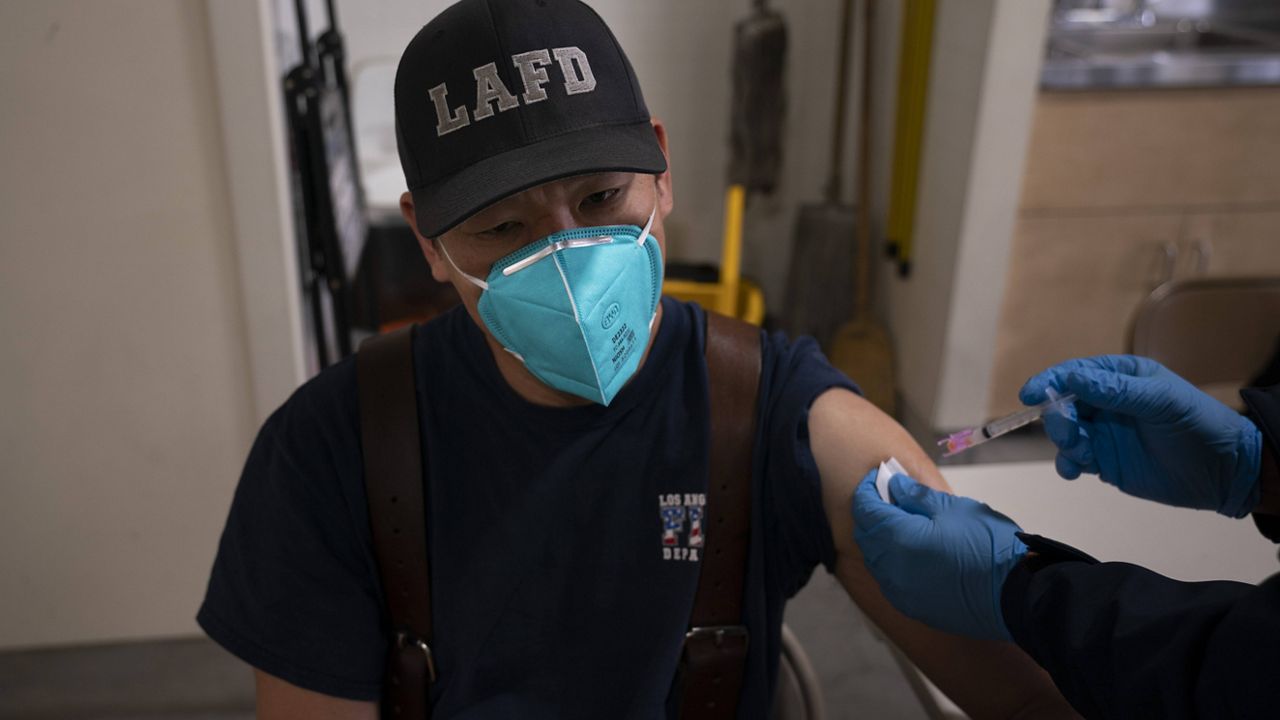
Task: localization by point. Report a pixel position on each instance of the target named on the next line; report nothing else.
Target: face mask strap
(644, 234)
(474, 280)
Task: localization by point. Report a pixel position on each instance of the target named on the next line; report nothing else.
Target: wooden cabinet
(1124, 191)
(1164, 149)
(1231, 244)
(1072, 287)
(1074, 283)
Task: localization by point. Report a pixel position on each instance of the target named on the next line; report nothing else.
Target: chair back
(798, 695)
(1213, 332)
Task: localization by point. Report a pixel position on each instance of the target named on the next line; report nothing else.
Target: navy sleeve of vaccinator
(1121, 641)
(1264, 411)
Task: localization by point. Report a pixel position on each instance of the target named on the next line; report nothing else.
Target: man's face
(474, 245)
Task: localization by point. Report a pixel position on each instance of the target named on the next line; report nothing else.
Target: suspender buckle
(711, 671)
(404, 640)
(719, 635)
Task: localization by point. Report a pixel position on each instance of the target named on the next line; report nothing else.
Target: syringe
(958, 442)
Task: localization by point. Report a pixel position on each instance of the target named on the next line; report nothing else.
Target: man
(1120, 641)
(565, 426)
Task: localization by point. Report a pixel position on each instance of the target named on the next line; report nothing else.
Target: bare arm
(849, 436)
(279, 700)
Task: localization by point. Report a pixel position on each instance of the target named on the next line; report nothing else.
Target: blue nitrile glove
(941, 559)
(1151, 434)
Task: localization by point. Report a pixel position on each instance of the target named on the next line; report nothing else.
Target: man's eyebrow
(487, 217)
(614, 179)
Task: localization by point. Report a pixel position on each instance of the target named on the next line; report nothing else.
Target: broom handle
(837, 130)
(333, 16)
(864, 167)
(304, 33)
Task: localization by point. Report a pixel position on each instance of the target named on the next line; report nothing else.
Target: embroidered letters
(575, 71)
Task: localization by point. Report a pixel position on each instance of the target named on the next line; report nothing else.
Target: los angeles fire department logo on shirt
(682, 515)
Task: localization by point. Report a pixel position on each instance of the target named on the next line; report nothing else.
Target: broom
(819, 296)
(861, 348)
(758, 103)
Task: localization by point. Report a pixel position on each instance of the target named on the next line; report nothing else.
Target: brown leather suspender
(394, 482)
(715, 648)
(713, 664)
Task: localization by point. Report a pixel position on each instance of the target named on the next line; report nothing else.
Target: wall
(125, 376)
(983, 78)
(998, 156)
(256, 153)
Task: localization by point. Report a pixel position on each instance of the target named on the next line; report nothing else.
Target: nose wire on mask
(549, 250)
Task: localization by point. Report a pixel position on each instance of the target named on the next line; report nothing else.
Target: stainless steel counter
(1167, 53)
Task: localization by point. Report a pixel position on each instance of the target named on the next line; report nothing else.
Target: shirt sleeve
(1121, 641)
(1264, 410)
(294, 589)
(794, 374)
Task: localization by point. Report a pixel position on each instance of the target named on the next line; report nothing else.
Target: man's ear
(666, 198)
(439, 266)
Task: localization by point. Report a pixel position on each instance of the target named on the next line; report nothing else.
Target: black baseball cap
(496, 96)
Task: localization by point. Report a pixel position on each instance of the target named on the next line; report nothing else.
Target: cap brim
(611, 148)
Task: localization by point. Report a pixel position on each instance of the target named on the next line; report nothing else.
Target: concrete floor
(190, 679)
(195, 679)
(860, 678)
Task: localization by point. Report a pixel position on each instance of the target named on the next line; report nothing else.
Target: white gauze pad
(888, 469)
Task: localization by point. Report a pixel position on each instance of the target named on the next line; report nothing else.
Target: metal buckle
(405, 639)
(717, 633)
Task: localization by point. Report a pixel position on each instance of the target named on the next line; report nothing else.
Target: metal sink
(1173, 54)
(1133, 41)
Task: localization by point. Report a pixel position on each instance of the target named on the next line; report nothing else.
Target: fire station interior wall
(127, 401)
(984, 76)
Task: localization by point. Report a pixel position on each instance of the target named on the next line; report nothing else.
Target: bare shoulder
(849, 436)
(280, 700)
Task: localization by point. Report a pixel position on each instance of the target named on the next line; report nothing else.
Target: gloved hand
(1151, 434)
(939, 558)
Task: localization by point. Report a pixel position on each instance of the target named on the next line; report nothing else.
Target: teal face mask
(576, 307)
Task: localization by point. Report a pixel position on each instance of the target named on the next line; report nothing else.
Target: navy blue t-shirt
(564, 555)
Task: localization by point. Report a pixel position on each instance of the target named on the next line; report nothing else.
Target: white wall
(1002, 129)
(256, 152)
(127, 400)
(983, 79)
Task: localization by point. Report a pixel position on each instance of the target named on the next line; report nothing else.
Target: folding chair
(1217, 332)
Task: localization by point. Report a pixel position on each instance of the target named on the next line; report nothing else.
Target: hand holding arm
(939, 558)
